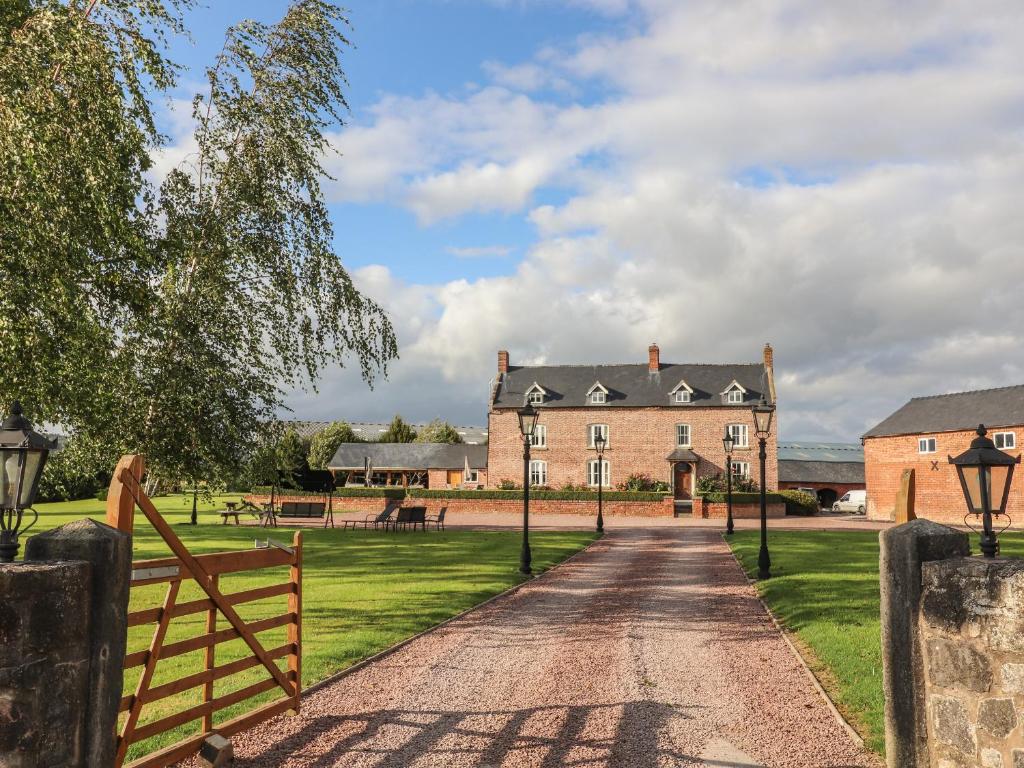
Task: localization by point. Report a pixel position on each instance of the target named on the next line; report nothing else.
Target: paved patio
(649, 649)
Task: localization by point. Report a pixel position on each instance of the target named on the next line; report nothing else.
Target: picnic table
(231, 511)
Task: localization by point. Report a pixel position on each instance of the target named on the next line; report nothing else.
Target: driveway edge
(784, 632)
(402, 643)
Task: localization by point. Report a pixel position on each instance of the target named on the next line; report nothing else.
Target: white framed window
(1005, 440)
(536, 398)
(683, 435)
(734, 396)
(682, 396)
(740, 435)
(538, 473)
(473, 477)
(604, 468)
(741, 469)
(539, 438)
(926, 445)
(598, 398)
(594, 430)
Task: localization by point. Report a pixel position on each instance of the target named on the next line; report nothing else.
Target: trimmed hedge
(423, 493)
(744, 498)
(353, 492)
(800, 503)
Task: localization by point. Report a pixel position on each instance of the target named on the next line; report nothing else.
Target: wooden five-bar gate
(126, 493)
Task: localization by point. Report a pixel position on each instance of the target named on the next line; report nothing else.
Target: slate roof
(415, 456)
(1002, 407)
(683, 454)
(629, 386)
(807, 451)
(793, 471)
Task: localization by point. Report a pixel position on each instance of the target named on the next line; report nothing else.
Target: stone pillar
(903, 550)
(109, 551)
(44, 664)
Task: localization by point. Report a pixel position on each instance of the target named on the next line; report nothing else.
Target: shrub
(640, 481)
(717, 484)
(800, 503)
(508, 485)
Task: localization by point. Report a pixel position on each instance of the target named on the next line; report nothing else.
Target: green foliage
(170, 321)
(80, 470)
(291, 455)
(640, 481)
(324, 443)
(717, 484)
(397, 432)
(535, 493)
(800, 503)
(438, 431)
(508, 485)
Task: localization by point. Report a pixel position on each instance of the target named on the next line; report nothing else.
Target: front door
(454, 478)
(683, 482)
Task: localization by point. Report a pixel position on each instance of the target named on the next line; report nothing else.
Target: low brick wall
(715, 509)
(368, 505)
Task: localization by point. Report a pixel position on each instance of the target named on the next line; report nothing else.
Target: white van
(854, 501)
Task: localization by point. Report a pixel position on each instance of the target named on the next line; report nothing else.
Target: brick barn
(923, 434)
(829, 469)
(665, 420)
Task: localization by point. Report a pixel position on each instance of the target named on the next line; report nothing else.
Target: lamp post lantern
(985, 473)
(763, 412)
(528, 416)
(23, 453)
(728, 443)
(599, 443)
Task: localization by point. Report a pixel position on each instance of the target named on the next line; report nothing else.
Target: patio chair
(410, 516)
(381, 518)
(438, 519)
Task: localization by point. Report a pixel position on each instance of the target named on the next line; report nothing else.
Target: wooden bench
(301, 510)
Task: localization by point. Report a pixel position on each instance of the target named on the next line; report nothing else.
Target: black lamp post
(985, 473)
(528, 416)
(599, 443)
(728, 443)
(763, 412)
(23, 453)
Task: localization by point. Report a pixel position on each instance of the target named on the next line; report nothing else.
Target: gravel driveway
(647, 650)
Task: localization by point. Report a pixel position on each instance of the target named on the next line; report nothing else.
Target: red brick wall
(639, 439)
(938, 493)
(714, 509)
(437, 479)
(342, 504)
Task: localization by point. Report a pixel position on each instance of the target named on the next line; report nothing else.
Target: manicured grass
(362, 591)
(824, 587)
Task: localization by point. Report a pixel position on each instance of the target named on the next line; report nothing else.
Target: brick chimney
(502, 361)
(653, 358)
(769, 370)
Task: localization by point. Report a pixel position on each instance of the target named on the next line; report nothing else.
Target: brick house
(418, 465)
(662, 419)
(923, 434)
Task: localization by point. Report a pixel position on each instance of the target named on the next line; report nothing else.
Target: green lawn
(362, 591)
(824, 587)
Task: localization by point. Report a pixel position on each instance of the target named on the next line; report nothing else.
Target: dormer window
(683, 393)
(597, 394)
(734, 394)
(535, 395)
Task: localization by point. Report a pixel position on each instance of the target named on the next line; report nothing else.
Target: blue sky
(572, 180)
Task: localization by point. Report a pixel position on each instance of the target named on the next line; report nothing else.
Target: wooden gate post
(120, 500)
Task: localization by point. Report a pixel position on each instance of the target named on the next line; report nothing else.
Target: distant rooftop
(1001, 407)
(808, 451)
(373, 430)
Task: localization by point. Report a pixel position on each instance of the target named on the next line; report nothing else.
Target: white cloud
(898, 274)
